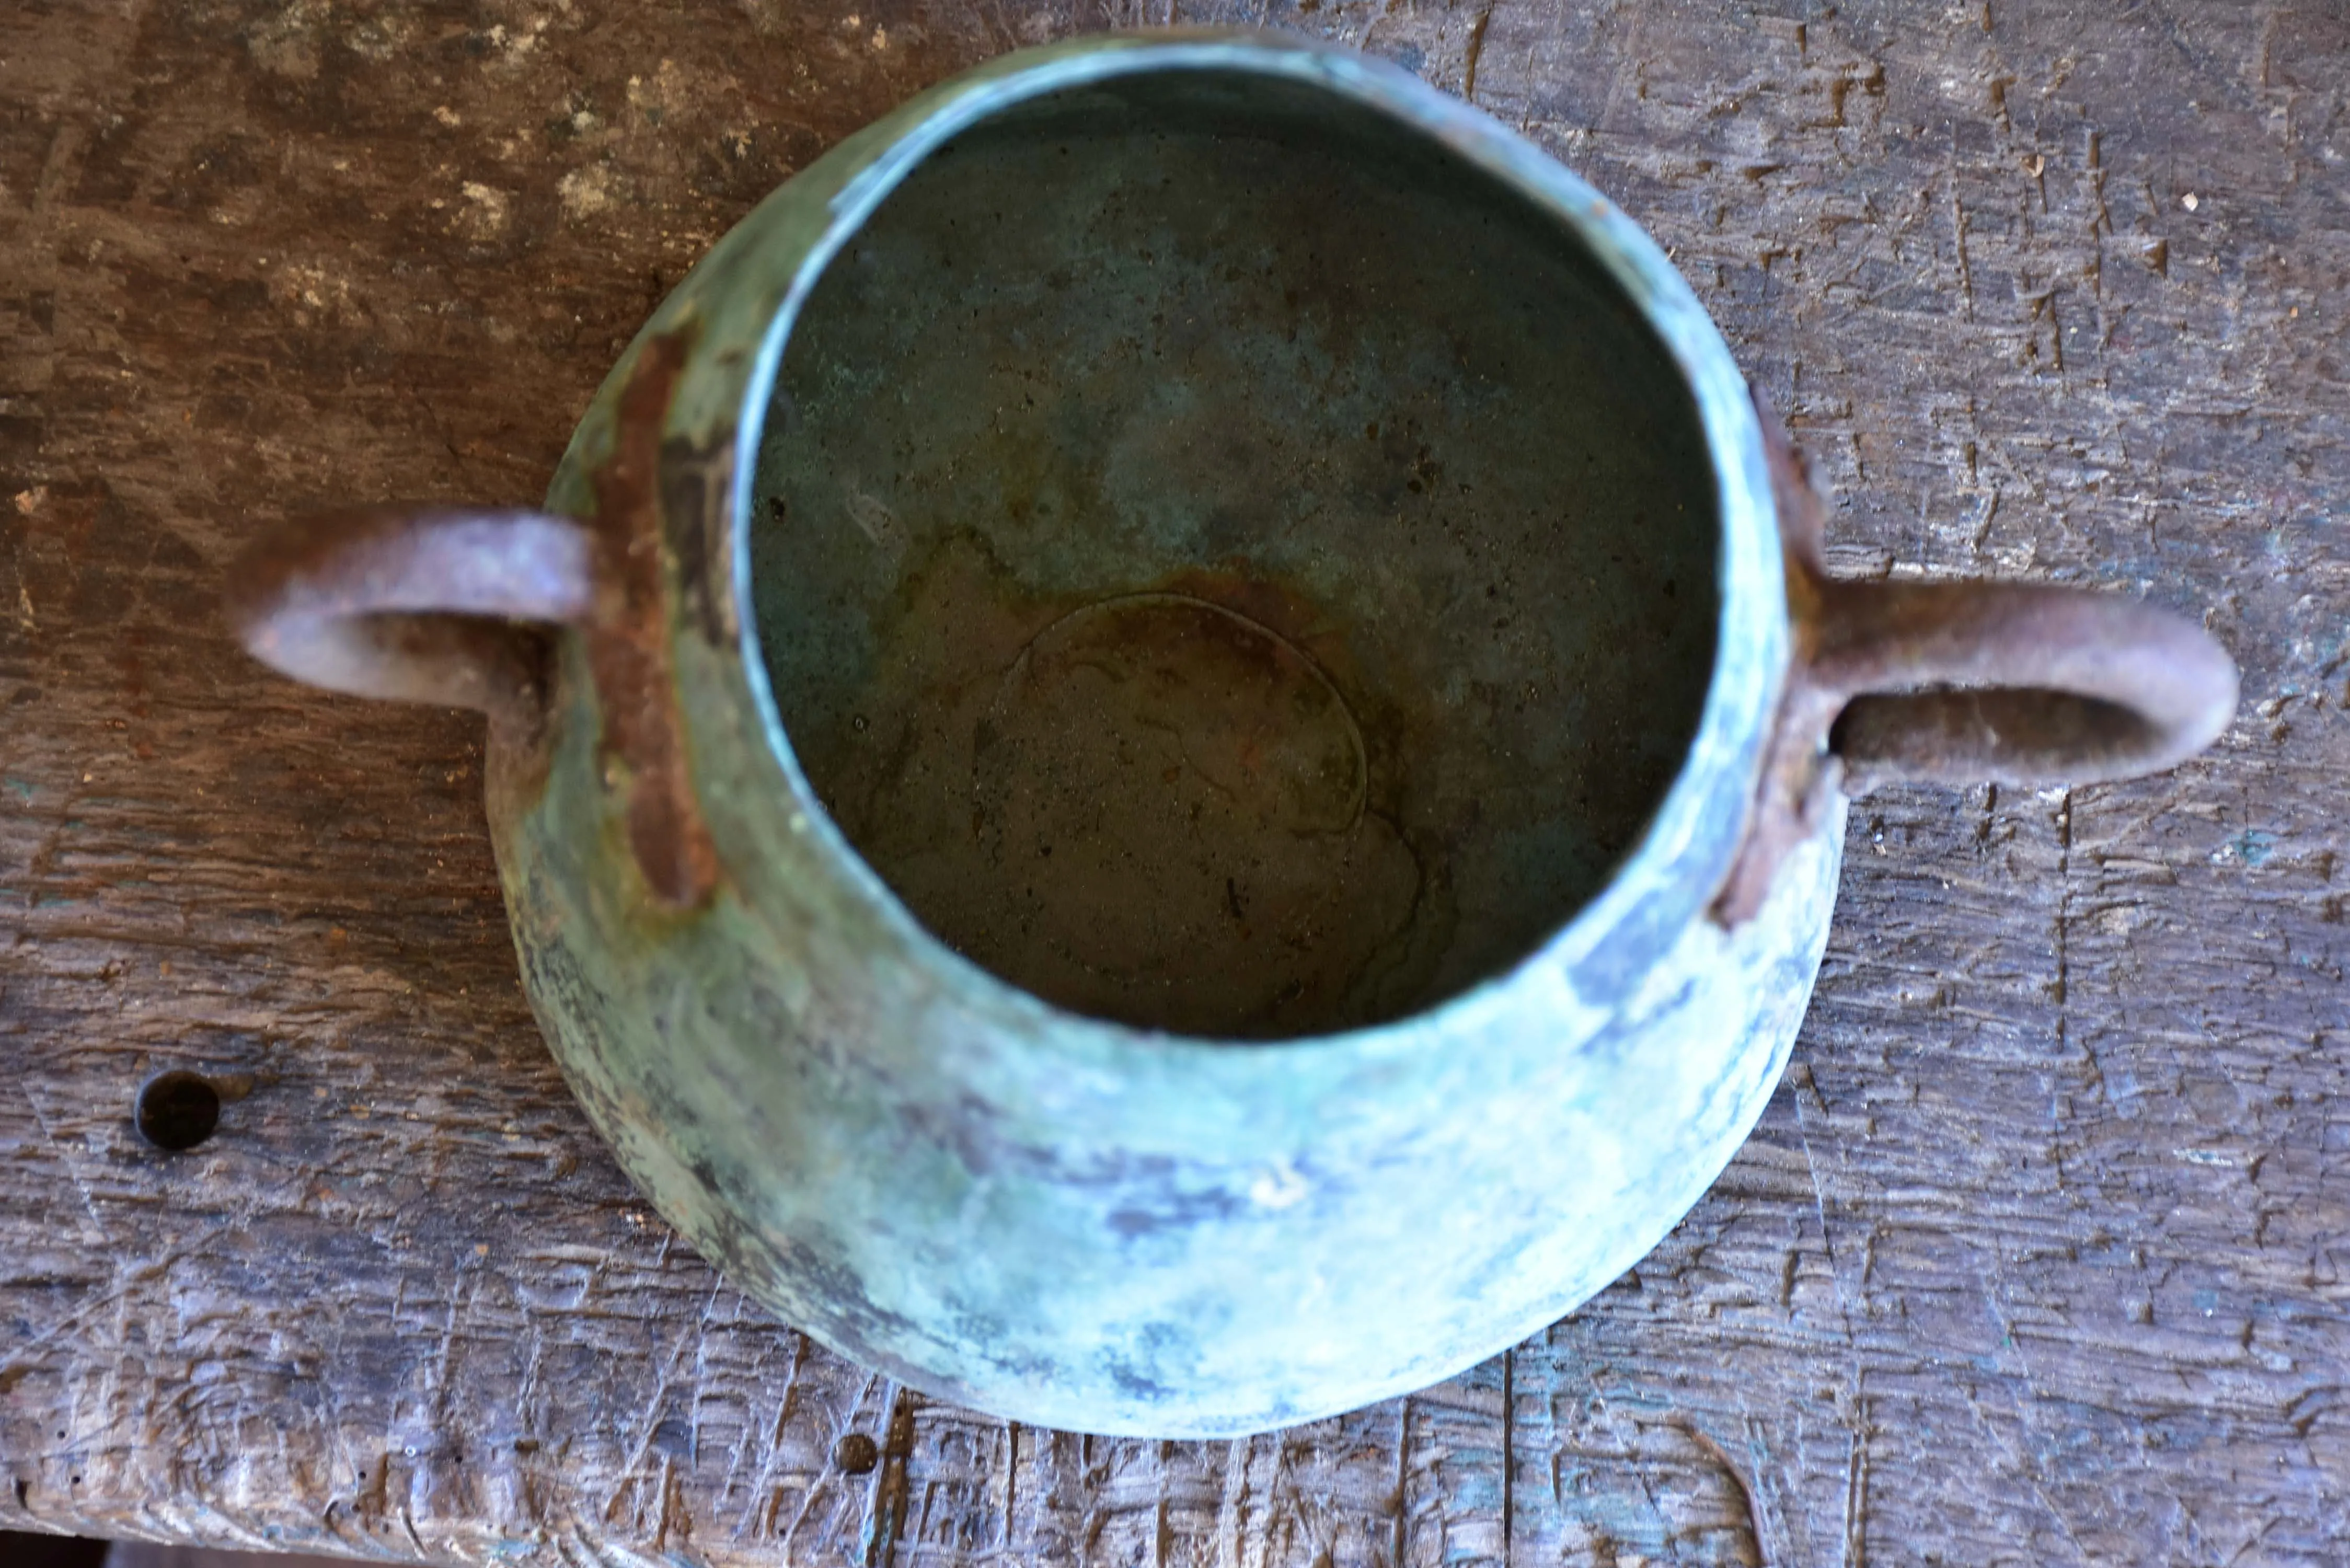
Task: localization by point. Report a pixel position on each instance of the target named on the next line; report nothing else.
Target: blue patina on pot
(1180, 771)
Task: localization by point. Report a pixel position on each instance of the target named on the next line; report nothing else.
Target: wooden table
(2040, 1255)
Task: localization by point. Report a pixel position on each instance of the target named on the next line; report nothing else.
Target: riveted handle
(437, 604)
(1961, 683)
(456, 605)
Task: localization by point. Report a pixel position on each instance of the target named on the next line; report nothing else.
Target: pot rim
(1684, 853)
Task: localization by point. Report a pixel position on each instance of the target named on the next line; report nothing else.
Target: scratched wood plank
(2039, 1254)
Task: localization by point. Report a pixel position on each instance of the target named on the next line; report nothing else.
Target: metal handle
(417, 605)
(447, 605)
(1961, 682)
(2013, 683)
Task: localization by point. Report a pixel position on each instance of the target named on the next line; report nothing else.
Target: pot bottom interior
(1230, 566)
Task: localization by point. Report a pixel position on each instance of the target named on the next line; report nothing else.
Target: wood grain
(2038, 1256)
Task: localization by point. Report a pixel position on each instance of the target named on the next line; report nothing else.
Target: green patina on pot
(1186, 781)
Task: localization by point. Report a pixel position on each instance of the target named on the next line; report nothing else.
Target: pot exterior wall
(1001, 1208)
(1061, 1220)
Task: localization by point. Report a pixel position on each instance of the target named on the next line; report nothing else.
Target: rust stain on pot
(626, 642)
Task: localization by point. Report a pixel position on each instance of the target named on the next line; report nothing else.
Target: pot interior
(1230, 564)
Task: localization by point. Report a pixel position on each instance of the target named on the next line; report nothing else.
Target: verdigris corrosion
(1178, 758)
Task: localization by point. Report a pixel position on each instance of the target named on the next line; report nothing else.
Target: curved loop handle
(452, 606)
(417, 605)
(1960, 683)
(2013, 683)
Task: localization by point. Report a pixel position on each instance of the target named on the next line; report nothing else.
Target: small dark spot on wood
(178, 1110)
(856, 1454)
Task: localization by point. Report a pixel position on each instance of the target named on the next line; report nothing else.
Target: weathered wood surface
(2040, 1255)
